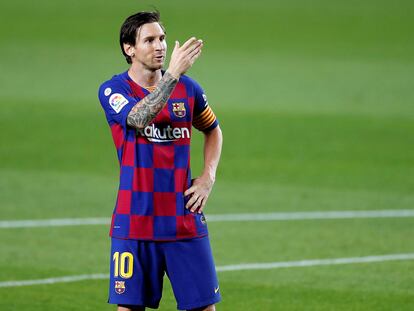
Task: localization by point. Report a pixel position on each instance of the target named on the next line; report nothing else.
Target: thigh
(136, 273)
(191, 270)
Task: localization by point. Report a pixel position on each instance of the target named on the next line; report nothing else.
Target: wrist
(173, 73)
(209, 175)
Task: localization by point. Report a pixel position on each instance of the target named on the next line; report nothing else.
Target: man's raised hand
(183, 57)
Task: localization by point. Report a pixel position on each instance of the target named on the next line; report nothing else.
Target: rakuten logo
(165, 134)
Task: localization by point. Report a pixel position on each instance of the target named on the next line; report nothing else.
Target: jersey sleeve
(204, 118)
(116, 101)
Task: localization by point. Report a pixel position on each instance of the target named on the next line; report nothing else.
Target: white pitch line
(63, 279)
(312, 215)
(220, 218)
(316, 262)
(53, 222)
(251, 266)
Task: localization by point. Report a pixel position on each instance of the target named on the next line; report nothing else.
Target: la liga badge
(179, 110)
(117, 101)
(119, 287)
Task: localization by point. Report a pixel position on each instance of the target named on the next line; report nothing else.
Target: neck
(144, 76)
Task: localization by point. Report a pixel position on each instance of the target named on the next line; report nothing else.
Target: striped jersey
(155, 161)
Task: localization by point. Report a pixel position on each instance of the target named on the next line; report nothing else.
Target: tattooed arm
(182, 59)
(148, 108)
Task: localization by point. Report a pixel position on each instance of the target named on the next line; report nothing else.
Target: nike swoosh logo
(216, 290)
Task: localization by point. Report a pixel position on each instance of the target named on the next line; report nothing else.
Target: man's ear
(129, 49)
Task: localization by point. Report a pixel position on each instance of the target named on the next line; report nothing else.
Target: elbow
(132, 122)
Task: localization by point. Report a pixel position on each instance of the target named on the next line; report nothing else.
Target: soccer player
(158, 224)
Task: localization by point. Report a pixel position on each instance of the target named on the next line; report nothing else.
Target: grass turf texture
(315, 101)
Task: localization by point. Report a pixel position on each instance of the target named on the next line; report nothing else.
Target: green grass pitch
(315, 99)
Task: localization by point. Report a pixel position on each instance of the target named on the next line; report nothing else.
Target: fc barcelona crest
(179, 110)
(120, 287)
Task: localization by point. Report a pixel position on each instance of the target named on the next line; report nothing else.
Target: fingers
(196, 203)
(198, 194)
(193, 51)
(195, 55)
(188, 43)
(189, 191)
(195, 48)
(203, 203)
(182, 58)
(191, 202)
(177, 45)
(194, 197)
(199, 204)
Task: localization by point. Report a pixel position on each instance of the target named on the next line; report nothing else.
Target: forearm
(212, 150)
(148, 108)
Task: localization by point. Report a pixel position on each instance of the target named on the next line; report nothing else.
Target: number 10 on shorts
(123, 265)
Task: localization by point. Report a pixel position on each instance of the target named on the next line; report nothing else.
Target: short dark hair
(130, 26)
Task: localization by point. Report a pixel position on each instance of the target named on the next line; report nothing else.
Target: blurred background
(315, 100)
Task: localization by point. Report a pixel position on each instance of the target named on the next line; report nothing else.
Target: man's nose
(159, 45)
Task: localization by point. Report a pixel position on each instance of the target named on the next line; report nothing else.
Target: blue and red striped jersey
(155, 161)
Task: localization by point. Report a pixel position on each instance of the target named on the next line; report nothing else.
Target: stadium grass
(315, 101)
(51, 249)
(69, 251)
(363, 164)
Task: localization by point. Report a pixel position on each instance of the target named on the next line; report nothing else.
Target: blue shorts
(138, 267)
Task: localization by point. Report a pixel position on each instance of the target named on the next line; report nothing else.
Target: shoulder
(114, 93)
(189, 81)
(192, 85)
(116, 83)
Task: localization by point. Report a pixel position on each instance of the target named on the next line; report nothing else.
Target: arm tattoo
(148, 108)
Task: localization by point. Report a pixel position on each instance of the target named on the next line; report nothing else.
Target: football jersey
(155, 161)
